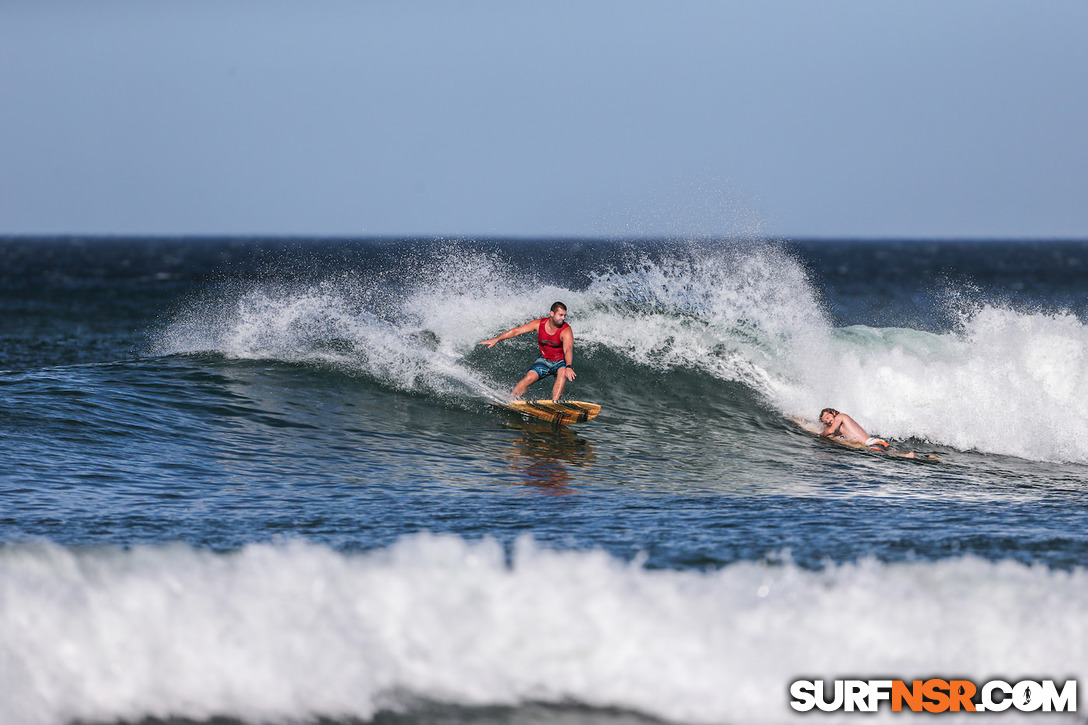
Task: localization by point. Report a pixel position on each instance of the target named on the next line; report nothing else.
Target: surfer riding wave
(556, 343)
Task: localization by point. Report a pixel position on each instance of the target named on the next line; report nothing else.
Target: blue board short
(544, 368)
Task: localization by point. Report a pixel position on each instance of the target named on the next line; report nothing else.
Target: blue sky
(795, 119)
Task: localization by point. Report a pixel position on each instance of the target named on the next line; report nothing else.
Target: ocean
(259, 480)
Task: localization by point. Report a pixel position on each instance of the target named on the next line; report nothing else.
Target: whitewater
(296, 630)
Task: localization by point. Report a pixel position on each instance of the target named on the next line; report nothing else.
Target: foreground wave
(282, 633)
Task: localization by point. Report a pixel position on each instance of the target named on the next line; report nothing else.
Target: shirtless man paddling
(843, 426)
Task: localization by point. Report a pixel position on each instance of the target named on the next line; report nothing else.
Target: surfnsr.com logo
(934, 695)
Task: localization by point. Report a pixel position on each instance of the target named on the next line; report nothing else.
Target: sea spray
(332, 324)
(740, 312)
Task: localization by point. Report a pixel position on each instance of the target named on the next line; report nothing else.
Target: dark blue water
(260, 479)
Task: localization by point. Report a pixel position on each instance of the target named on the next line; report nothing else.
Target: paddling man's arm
(846, 427)
(512, 332)
(836, 423)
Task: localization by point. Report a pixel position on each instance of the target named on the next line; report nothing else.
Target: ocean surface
(259, 480)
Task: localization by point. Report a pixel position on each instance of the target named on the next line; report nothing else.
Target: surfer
(556, 342)
(843, 426)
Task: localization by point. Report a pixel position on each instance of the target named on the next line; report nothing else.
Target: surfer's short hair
(558, 306)
(829, 410)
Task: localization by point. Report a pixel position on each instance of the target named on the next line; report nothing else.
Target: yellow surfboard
(562, 413)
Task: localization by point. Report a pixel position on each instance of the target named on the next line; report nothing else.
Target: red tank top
(551, 347)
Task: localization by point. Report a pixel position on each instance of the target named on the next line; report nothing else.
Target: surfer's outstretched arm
(512, 332)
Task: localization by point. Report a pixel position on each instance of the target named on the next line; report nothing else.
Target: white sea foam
(744, 313)
(281, 633)
(330, 324)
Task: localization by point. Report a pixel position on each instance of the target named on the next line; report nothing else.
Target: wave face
(283, 633)
(994, 377)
